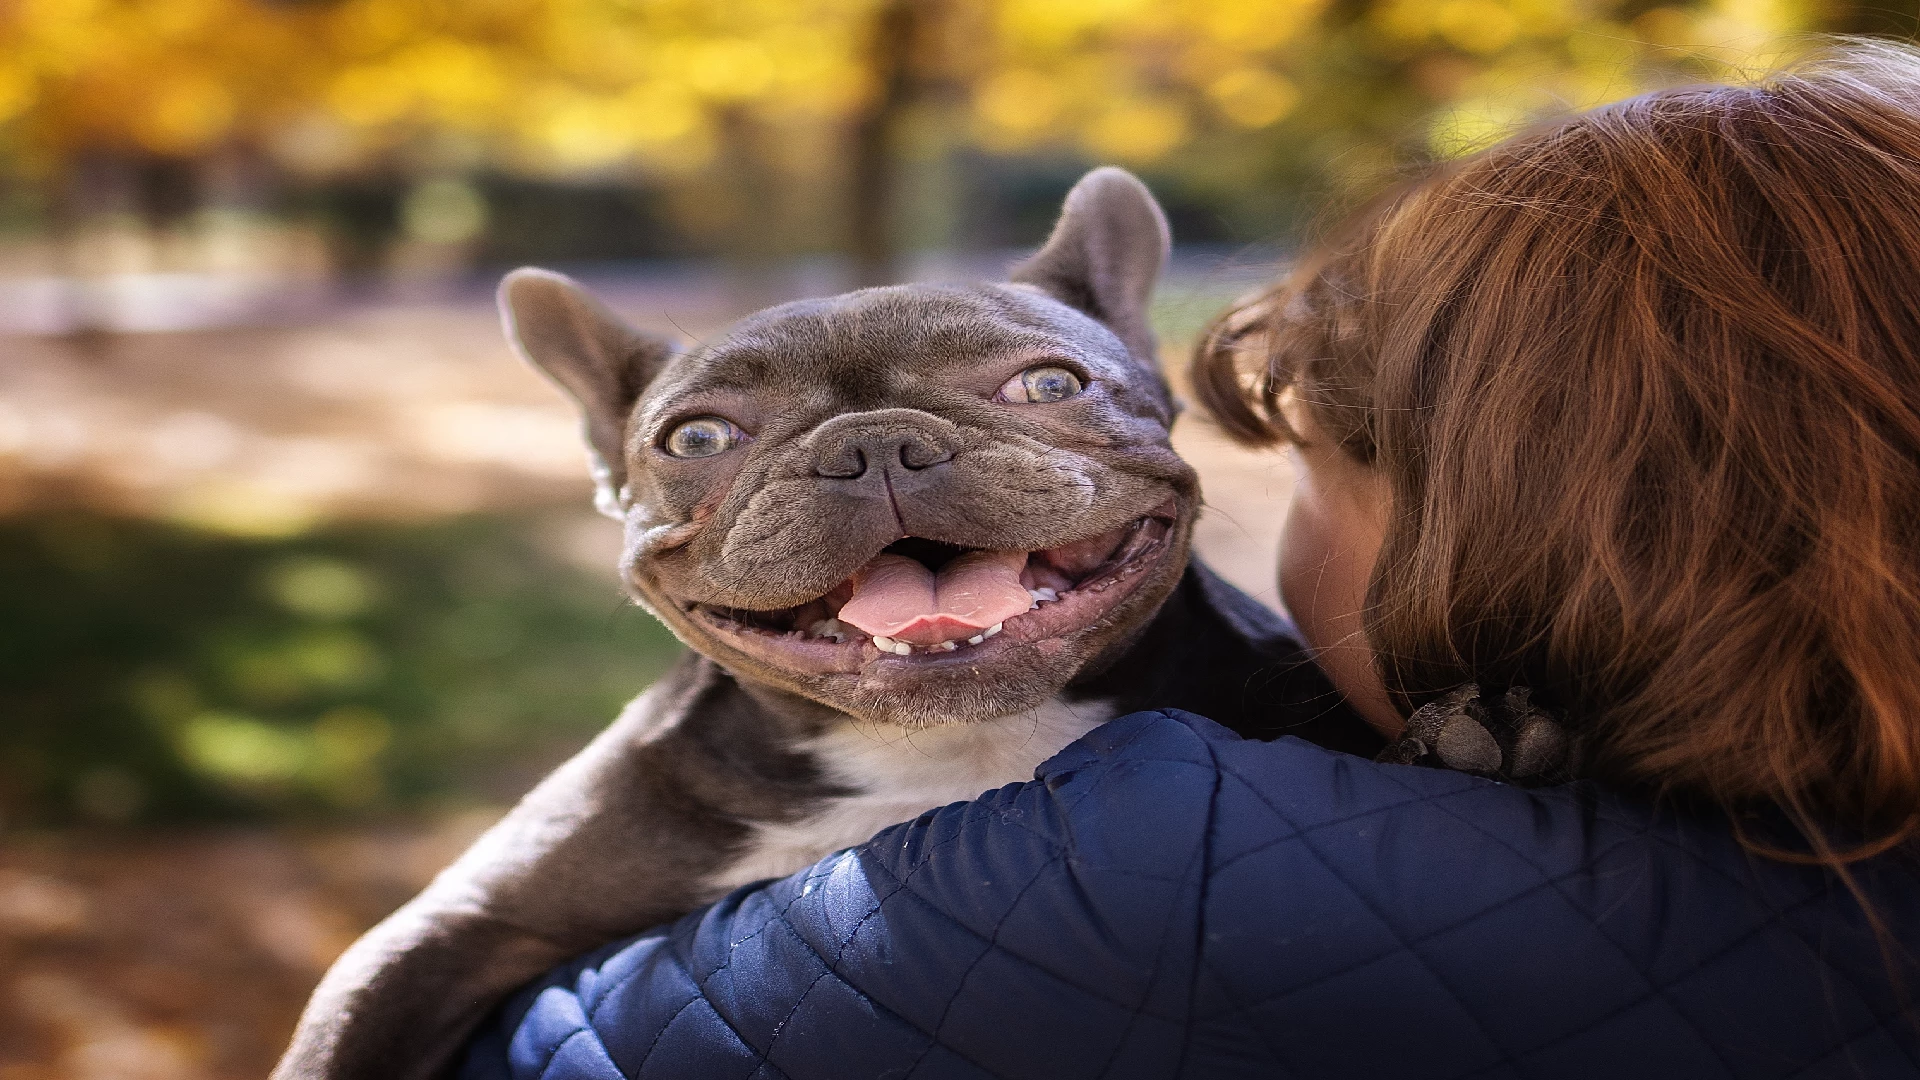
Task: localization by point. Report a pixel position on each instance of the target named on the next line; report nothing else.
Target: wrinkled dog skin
(826, 474)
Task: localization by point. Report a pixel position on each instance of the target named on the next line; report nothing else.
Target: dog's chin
(1087, 595)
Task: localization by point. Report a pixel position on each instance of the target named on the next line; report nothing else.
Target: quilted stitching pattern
(1169, 900)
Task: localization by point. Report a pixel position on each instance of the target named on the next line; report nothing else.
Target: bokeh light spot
(444, 211)
(1138, 131)
(320, 588)
(1253, 98)
(242, 750)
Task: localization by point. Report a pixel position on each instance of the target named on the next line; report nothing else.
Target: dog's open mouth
(923, 600)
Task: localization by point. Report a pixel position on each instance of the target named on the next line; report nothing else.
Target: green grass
(151, 673)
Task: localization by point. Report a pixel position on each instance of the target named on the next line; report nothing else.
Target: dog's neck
(1209, 650)
(876, 775)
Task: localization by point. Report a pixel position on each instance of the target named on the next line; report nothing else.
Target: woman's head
(1643, 392)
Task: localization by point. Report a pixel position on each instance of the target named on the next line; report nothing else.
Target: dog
(918, 538)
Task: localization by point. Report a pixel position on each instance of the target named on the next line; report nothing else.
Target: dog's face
(919, 504)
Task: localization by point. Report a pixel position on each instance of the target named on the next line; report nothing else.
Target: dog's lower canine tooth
(991, 630)
(901, 648)
(947, 646)
(975, 639)
(884, 644)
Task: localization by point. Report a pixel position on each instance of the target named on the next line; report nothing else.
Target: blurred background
(298, 581)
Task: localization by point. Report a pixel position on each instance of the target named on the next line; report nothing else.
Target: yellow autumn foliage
(570, 84)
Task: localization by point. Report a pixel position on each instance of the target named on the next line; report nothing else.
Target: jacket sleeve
(1046, 929)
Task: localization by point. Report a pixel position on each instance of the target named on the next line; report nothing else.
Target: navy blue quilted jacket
(1168, 900)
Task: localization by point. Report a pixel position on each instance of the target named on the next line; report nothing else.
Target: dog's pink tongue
(897, 597)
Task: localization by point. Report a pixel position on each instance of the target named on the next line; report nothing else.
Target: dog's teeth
(883, 643)
(901, 648)
(991, 630)
(976, 639)
(1042, 596)
(947, 646)
(825, 628)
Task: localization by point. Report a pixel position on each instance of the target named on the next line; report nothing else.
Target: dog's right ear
(1104, 255)
(601, 362)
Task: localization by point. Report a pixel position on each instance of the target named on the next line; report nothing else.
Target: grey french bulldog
(919, 538)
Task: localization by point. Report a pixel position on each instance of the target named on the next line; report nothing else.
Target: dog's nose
(847, 447)
(851, 459)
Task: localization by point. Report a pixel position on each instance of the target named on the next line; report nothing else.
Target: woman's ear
(603, 364)
(1104, 256)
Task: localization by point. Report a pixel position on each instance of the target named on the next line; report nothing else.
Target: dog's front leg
(616, 840)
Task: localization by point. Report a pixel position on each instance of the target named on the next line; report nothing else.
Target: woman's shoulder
(1169, 898)
(1561, 931)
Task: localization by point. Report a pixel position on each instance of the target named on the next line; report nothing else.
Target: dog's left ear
(1104, 256)
(600, 361)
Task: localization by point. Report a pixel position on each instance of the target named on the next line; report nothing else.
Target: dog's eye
(1039, 385)
(702, 436)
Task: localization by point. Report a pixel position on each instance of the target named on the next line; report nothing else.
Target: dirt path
(186, 956)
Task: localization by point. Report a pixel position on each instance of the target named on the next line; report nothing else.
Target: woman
(1609, 488)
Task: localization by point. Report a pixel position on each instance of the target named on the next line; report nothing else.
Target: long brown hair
(1646, 389)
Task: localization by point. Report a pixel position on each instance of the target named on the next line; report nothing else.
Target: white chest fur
(896, 775)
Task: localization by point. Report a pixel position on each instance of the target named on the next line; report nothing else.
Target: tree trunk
(874, 180)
